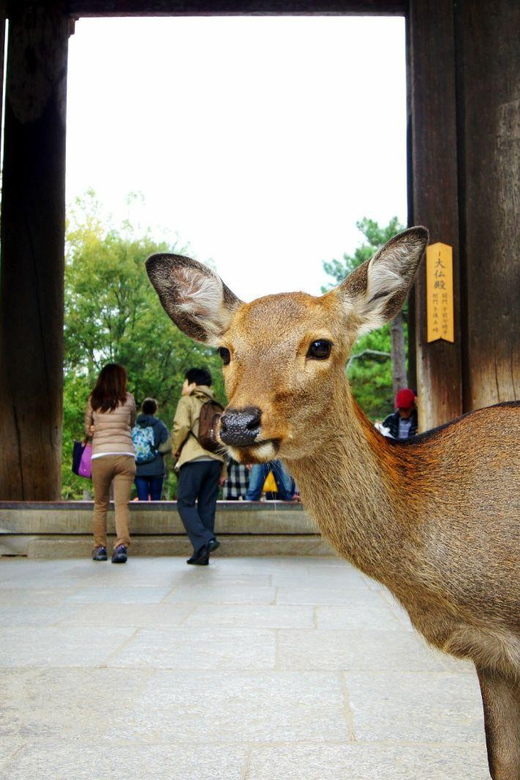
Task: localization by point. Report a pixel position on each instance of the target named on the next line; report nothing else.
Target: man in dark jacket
(149, 476)
(402, 424)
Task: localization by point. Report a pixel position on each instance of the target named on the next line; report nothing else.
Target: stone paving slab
(357, 617)
(249, 669)
(366, 762)
(33, 646)
(82, 761)
(200, 648)
(446, 707)
(358, 650)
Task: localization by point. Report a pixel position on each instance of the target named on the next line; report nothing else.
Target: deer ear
(378, 288)
(193, 295)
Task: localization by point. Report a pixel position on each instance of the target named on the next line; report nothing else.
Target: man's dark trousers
(197, 494)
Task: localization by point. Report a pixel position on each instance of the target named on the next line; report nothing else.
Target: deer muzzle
(241, 427)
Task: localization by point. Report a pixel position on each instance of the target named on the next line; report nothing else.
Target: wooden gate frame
(464, 185)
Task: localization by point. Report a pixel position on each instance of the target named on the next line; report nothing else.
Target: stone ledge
(153, 517)
(231, 546)
(153, 506)
(63, 529)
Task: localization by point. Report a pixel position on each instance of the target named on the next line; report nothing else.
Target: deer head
(284, 355)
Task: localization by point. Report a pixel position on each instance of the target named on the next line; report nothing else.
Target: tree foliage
(112, 314)
(370, 374)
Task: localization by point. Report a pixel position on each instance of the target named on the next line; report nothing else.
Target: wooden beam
(3, 16)
(80, 8)
(433, 194)
(32, 233)
(490, 110)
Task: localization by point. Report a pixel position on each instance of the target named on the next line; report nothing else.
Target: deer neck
(353, 490)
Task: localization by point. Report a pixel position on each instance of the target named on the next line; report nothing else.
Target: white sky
(260, 141)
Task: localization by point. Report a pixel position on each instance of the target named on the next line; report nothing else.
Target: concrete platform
(63, 529)
(274, 668)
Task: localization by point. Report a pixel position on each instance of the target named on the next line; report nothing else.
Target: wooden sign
(439, 293)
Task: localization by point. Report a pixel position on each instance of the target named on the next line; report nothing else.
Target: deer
(435, 518)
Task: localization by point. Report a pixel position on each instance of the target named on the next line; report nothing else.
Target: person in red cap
(403, 423)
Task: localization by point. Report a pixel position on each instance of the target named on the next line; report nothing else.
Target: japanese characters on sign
(439, 293)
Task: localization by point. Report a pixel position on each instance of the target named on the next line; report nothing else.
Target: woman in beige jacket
(109, 417)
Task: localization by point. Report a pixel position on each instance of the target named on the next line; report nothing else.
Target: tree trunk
(399, 379)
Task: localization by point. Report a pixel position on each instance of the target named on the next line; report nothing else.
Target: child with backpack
(151, 439)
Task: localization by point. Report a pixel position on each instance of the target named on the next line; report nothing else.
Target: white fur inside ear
(383, 281)
(201, 297)
(374, 292)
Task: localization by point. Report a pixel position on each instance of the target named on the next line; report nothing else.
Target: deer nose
(240, 427)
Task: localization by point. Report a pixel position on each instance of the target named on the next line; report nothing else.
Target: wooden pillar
(3, 13)
(433, 193)
(32, 232)
(489, 43)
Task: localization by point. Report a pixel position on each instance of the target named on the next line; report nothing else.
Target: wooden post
(490, 102)
(434, 194)
(32, 231)
(2, 52)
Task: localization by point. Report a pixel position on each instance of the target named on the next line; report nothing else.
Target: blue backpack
(143, 439)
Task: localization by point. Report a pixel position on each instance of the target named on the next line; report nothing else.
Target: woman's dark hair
(200, 376)
(149, 406)
(110, 389)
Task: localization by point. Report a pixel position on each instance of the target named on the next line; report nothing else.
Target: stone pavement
(249, 669)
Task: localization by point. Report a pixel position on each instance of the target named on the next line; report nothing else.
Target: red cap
(405, 399)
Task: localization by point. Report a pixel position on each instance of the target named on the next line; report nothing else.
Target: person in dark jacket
(402, 424)
(149, 477)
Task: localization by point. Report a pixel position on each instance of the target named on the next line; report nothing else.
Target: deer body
(435, 519)
(397, 524)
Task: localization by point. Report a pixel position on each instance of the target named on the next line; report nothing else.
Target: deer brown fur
(436, 519)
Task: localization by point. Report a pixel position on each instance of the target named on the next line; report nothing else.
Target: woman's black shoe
(99, 554)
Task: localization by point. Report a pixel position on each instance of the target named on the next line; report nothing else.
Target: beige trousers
(120, 470)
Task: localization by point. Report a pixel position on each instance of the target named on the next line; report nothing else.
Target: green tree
(377, 367)
(375, 237)
(112, 314)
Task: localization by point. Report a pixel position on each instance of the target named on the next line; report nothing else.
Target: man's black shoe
(119, 555)
(213, 545)
(201, 557)
(99, 554)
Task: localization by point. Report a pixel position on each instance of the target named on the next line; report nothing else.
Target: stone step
(172, 545)
(63, 529)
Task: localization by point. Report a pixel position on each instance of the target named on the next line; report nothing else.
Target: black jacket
(392, 423)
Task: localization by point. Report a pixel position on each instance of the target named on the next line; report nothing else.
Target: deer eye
(225, 355)
(320, 349)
